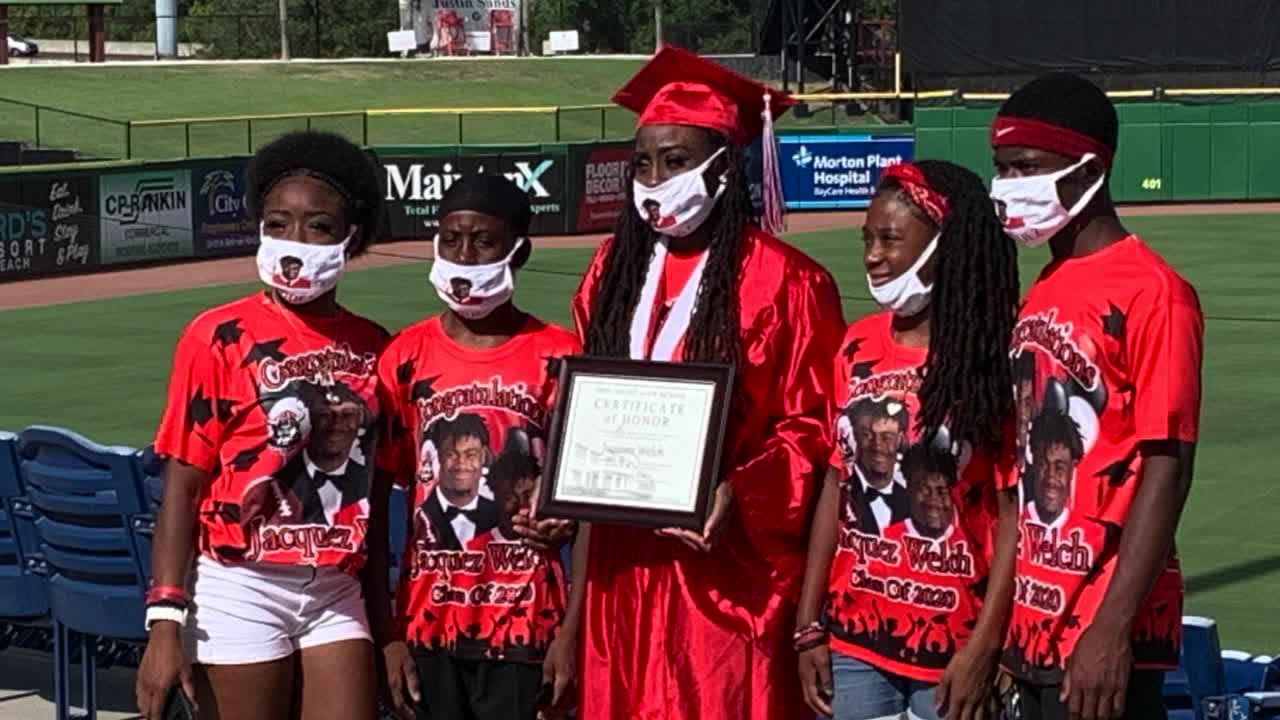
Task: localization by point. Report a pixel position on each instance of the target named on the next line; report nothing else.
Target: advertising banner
(221, 214)
(415, 185)
(821, 172)
(601, 172)
(145, 215)
(44, 228)
(475, 26)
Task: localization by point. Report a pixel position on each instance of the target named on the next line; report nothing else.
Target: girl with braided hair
(892, 617)
(682, 624)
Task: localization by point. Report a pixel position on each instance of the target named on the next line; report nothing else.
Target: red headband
(933, 203)
(1026, 132)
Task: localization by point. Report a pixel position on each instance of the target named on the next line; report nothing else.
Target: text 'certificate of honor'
(635, 443)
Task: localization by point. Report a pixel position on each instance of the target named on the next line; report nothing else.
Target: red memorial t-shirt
(1107, 354)
(468, 436)
(912, 553)
(281, 409)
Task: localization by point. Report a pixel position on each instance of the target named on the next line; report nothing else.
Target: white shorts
(254, 613)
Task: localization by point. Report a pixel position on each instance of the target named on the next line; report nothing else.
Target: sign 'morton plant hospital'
(837, 171)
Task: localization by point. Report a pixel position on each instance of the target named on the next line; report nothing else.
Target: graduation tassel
(773, 221)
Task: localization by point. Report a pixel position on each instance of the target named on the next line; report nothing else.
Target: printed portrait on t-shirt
(513, 479)
(916, 515)
(458, 505)
(1067, 414)
(1056, 449)
(930, 475)
(323, 433)
(872, 434)
(1094, 376)
(469, 426)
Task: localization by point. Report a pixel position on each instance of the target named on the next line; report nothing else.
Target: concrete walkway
(26, 688)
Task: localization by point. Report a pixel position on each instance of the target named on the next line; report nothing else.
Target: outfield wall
(92, 218)
(1169, 152)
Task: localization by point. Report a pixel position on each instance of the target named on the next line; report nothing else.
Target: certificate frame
(562, 492)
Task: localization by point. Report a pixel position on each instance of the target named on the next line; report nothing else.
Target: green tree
(131, 21)
(317, 28)
(705, 26)
(602, 25)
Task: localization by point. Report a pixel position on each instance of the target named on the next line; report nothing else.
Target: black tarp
(942, 39)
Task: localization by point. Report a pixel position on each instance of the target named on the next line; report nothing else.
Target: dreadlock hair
(973, 307)
(714, 332)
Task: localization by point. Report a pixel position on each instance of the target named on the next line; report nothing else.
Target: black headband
(352, 202)
(492, 195)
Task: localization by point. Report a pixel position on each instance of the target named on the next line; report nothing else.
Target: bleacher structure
(76, 524)
(846, 43)
(13, 153)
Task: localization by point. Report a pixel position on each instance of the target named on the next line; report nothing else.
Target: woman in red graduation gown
(681, 624)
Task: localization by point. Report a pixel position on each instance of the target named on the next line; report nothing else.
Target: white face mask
(474, 291)
(300, 272)
(680, 205)
(906, 295)
(1030, 207)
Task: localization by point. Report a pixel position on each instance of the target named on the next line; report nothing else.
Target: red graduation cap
(677, 87)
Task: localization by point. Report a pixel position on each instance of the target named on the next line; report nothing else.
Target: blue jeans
(865, 692)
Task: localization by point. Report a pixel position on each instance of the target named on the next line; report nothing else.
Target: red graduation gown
(671, 633)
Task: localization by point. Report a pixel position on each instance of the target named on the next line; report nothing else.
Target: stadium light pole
(284, 29)
(524, 28)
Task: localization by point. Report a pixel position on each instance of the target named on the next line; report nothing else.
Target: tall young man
(1109, 341)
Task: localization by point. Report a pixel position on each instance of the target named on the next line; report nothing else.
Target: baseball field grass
(101, 368)
(117, 94)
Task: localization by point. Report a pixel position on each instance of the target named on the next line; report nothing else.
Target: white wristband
(159, 613)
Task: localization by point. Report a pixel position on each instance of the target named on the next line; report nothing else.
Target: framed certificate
(635, 442)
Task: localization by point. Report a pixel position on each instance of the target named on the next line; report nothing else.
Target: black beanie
(493, 195)
(1066, 101)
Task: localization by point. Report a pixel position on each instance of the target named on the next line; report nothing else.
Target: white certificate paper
(634, 443)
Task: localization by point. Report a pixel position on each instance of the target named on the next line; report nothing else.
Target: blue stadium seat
(152, 477)
(1264, 705)
(91, 518)
(1202, 658)
(1270, 673)
(22, 583)
(1242, 674)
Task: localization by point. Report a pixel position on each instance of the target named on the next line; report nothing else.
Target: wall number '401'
(1151, 183)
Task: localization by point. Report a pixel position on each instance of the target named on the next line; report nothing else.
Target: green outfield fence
(1179, 149)
(211, 136)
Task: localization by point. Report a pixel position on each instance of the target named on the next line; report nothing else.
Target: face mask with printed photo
(679, 206)
(474, 291)
(300, 272)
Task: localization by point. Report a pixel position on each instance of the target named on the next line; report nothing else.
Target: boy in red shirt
(469, 393)
(1108, 346)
